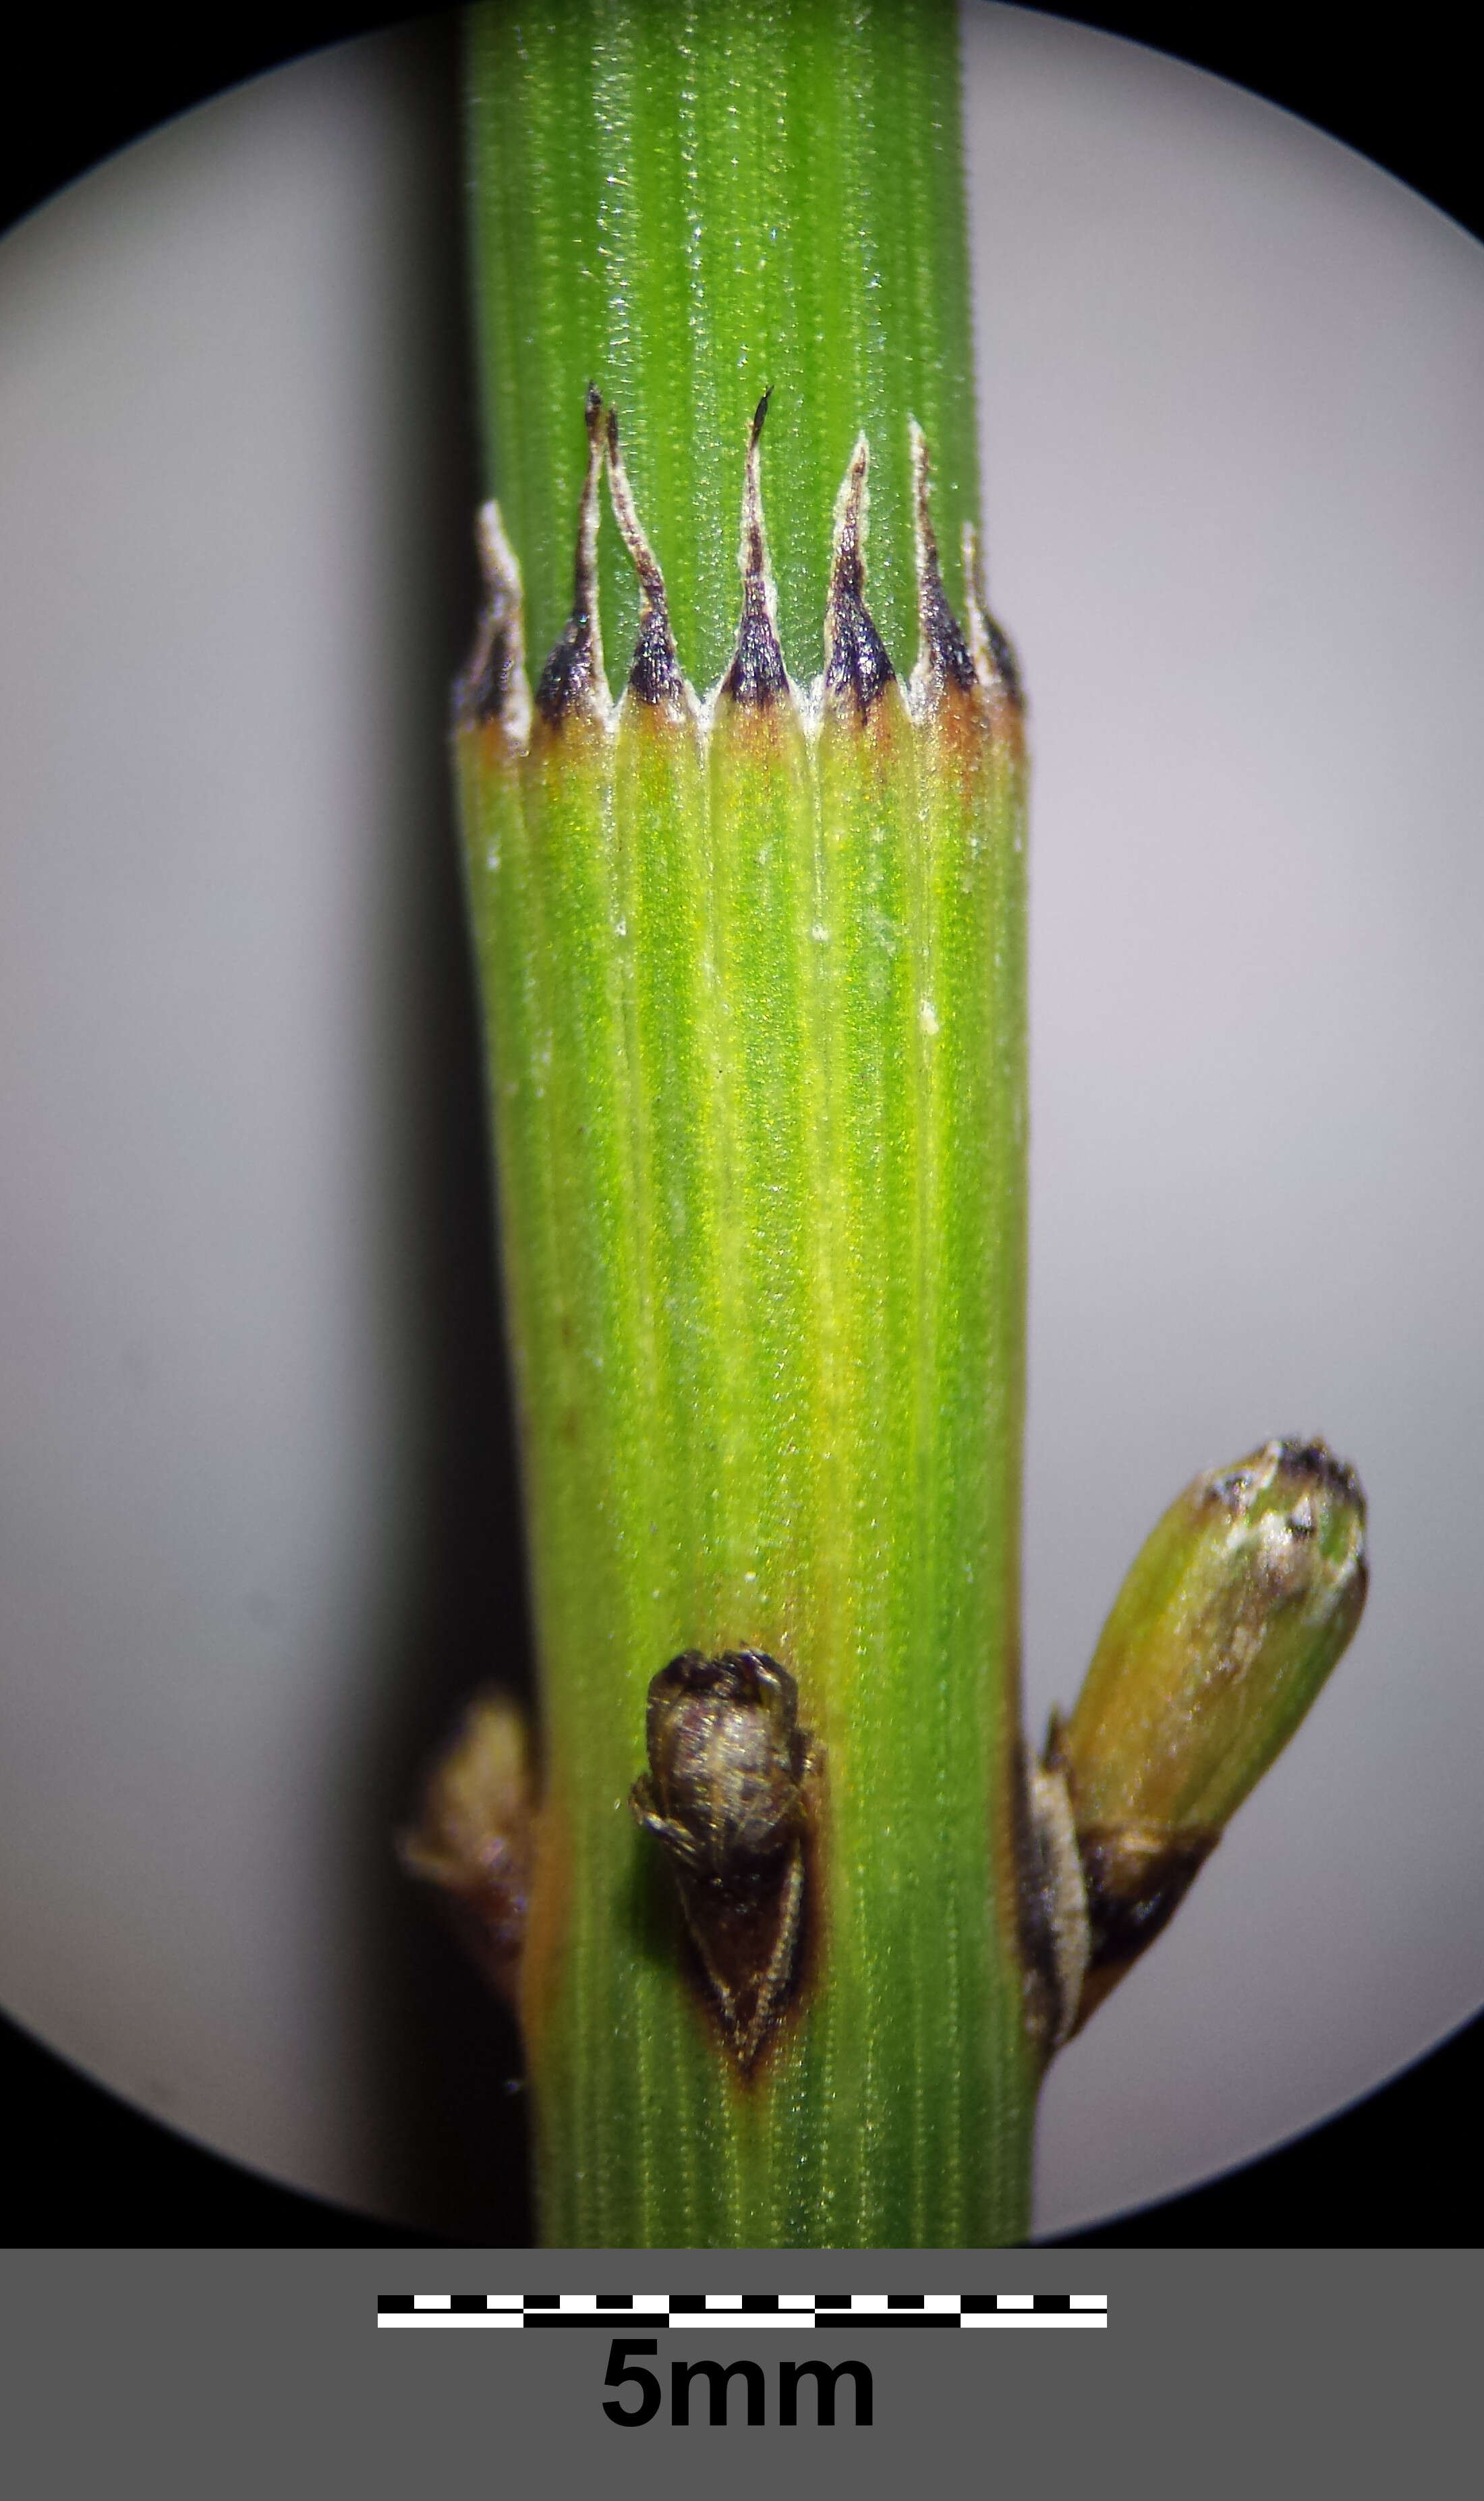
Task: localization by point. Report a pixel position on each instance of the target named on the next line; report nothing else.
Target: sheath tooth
(573, 678)
(494, 688)
(756, 675)
(654, 676)
(857, 670)
(943, 655)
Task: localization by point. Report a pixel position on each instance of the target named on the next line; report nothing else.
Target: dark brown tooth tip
(994, 653)
(1004, 661)
(856, 666)
(655, 675)
(493, 687)
(655, 671)
(1311, 1462)
(756, 675)
(1317, 1462)
(573, 673)
(487, 685)
(566, 681)
(945, 654)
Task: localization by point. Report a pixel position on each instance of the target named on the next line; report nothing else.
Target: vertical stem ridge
(763, 1217)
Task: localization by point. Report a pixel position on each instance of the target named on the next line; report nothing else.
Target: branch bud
(473, 1838)
(1236, 1608)
(725, 1796)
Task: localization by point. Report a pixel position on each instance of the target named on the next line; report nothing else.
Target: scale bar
(801, 2312)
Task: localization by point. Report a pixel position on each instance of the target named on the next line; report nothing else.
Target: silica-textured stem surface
(753, 972)
(690, 205)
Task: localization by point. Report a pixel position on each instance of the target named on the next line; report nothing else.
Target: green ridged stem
(770, 1106)
(890, 1850)
(664, 907)
(687, 205)
(755, 1213)
(754, 986)
(969, 960)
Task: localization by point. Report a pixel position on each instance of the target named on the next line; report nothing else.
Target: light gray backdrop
(1231, 377)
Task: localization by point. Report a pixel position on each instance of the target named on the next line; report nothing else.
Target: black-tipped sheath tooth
(1004, 661)
(655, 671)
(573, 673)
(483, 690)
(944, 654)
(994, 653)
(654, 674)
(856, 669)
(493, 687)
(756, 675)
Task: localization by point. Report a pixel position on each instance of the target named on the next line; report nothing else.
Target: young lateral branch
(1232, 1614)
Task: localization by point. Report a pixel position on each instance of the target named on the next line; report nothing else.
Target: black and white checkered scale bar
(618, 2311)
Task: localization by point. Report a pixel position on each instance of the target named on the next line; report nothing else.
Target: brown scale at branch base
(757, 674)
(1092, 1898)
(1055, 1940)
(1134, 1876)
(857, 671)
(572, 679)
(1136, 1881)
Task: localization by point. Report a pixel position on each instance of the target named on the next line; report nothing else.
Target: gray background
(249, 1440)
(1350, 2373)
